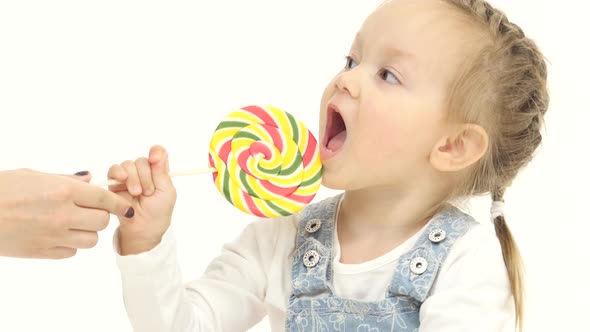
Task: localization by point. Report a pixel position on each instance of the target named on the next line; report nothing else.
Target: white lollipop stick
(173, 174)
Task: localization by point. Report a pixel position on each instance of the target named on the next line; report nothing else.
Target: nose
(348, 81)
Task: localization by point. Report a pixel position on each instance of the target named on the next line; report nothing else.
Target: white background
(85, 84)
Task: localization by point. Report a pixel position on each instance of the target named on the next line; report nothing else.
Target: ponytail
(512, 260)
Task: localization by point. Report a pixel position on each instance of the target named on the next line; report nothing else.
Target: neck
(373, 221)
(388, 210)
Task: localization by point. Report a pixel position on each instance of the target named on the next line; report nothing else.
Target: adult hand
(51, 216)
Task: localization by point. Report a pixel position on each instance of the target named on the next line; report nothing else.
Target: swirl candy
(264, 162)
(267, 162)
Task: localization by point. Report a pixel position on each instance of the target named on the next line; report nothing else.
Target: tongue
(337, 141)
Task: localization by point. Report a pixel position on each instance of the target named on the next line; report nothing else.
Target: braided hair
(503, 88)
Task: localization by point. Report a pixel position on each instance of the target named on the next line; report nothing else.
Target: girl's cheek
(384, 132)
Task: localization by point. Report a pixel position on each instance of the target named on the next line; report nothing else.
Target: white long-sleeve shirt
(251, 278)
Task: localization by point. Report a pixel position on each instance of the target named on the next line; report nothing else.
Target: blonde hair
(502, 87)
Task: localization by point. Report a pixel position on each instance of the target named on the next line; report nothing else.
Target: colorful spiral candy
(267, 161)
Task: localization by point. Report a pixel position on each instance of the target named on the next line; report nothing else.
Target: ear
(462, 148)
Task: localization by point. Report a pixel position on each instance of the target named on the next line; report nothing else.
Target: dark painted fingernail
(130, 213)
(82, 173)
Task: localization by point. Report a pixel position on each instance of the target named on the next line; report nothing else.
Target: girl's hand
(148, 187)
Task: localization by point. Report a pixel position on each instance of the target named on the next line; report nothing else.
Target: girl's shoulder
(477, 252)
(479, 238)
(473, 273)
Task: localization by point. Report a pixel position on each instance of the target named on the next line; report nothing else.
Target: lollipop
(267, 161)
(264, 162)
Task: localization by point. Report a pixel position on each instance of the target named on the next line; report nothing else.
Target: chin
(333, 180)
(329, 180)
(330, 185)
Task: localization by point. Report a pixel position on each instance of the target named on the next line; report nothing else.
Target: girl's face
(383, 113)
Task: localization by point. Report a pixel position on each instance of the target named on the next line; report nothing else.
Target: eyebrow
(397, 53)
(390, 51)
(407, 59)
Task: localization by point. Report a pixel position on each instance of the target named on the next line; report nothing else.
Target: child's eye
(388, 76)
(350, 63)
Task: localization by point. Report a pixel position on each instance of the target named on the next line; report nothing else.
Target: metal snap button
(311, 258)
(437, 235)
(313, 225)
(418, 265)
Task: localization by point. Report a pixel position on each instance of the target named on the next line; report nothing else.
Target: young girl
(438, 100)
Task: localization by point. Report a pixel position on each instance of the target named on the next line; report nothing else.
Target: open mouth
(335, 130)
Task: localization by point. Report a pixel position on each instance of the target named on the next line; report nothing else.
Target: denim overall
(313, 305)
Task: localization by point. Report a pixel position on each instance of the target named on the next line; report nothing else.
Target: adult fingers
(87, 219)
(91, 196)
(80, 239)
(56, 253)
(85, 176)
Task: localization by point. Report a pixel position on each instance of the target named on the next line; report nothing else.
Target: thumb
(160, 168)
(91, 196)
